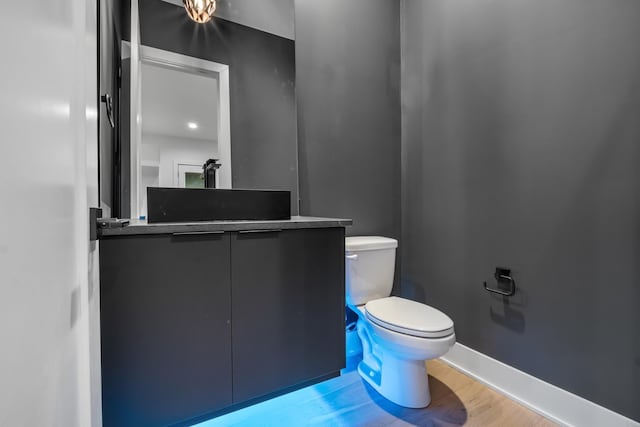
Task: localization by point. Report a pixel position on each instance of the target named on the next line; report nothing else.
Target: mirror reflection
(179, 126)
(174, 112)
(184, 121)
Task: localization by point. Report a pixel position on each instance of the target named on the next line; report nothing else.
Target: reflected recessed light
(192, 125)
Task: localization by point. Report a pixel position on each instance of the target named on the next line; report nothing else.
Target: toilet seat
(409, 317)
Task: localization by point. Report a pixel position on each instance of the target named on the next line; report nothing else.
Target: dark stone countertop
(138, 227)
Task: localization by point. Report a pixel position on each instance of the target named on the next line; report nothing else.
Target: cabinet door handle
(274, 230)
(352, 257)
(197, 233)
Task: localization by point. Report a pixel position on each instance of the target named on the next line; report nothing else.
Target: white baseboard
(546, 399)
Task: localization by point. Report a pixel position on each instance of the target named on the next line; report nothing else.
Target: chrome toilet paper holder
(503, 277)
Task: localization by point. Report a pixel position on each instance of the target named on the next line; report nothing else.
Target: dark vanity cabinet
(196, 324)
(287, 301)
(165, 305)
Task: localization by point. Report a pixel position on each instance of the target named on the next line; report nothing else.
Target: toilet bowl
(397, 334)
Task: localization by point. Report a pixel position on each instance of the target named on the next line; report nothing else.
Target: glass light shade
(200, 11)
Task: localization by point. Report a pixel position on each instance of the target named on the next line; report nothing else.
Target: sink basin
(207, 204)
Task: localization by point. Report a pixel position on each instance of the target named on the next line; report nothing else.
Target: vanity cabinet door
(166, 333)
(287, 309)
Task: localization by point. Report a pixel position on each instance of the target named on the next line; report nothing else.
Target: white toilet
(397, 334)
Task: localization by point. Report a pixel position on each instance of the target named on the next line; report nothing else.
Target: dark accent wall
(112, 23)
(262, 90)
(521, 149)
(124, 166)
(348, 90)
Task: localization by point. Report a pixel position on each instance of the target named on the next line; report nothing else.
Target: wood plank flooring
(347, 401)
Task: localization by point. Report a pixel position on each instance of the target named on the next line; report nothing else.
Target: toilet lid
(409, 317)
(369, 243)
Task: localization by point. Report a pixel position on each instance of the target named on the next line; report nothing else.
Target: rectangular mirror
(184, 124)
(188, 93)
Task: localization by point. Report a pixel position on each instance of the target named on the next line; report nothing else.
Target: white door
(189, 176)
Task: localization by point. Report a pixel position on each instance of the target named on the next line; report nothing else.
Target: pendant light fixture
(200, 11)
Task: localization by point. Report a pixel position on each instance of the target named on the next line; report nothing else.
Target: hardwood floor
(346, 401)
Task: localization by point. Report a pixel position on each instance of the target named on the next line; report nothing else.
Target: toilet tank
(370, 264)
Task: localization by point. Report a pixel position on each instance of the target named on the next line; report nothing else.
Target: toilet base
(403, 382)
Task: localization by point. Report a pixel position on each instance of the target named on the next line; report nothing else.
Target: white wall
(165, 151)
(273, 16)
(48, 120)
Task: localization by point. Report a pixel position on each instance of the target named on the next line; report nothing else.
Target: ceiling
(172, 98)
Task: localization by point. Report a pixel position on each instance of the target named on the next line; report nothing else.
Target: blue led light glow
(318, 405)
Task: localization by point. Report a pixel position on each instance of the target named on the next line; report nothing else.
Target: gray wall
(521, 148)
(348, 77)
